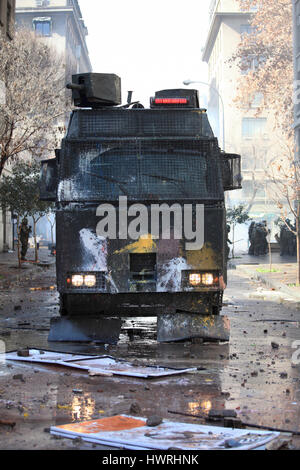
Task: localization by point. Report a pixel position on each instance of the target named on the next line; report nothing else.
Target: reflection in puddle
(83, 407)
(203, 406)
(206, 406)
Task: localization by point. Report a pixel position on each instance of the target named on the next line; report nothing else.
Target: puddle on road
(243, 375)
(83, 407)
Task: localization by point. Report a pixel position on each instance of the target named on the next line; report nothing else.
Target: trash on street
(133, 433)
(96, 365)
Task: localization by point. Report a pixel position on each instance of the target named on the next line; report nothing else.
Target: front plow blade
(85, 329)
(185, 326)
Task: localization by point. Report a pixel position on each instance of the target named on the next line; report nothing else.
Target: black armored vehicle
(140, 208)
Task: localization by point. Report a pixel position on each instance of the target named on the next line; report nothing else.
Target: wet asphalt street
(249, 375)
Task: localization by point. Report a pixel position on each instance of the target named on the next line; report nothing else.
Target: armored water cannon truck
(140, 210)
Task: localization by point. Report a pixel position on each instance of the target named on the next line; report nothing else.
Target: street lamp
(189, 82)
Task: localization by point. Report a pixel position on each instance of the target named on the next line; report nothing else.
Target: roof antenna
(129, 97)
(130, 102)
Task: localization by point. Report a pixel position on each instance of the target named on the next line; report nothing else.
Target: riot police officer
(25, 231)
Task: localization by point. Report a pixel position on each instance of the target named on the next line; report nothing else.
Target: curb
(269, 282)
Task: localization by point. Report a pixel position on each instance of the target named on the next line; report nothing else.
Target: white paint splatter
(95, 249)
(114, 289)
(66, 190)
(170, 277)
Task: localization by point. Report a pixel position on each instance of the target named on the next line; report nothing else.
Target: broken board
(132, 433)
(184, 326)
(96, 365)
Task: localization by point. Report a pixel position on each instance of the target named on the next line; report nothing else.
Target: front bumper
(141, 304)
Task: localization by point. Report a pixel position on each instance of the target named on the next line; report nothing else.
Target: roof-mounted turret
(95, 90)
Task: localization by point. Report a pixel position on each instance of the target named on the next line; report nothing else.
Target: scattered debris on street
(96, 365)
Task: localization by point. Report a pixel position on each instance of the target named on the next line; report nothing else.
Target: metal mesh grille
(231, 171)
(139, 123)
(142, 262)
(140, 170)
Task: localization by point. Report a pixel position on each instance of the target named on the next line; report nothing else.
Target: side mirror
(48, 180)
(231, 171)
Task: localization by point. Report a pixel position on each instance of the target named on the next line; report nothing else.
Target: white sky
(150, 44)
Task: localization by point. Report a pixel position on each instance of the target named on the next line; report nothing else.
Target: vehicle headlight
(195, 279)
(90, 280)
(77, 280)
(207, 279)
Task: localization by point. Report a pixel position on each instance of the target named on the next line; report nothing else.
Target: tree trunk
(233, 226)
(52, 235)
(298, 243)
(36, 255)
(19, 250)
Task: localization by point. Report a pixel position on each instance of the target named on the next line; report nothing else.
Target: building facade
(296, 54)
(60, 24)
(7, 26)
(246, 134)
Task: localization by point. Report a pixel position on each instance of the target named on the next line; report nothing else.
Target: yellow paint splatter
(145, 244)
(64, 407)
(208, 321)
(203, 259)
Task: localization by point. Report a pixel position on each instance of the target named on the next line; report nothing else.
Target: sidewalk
(9, 266)
(283, 275)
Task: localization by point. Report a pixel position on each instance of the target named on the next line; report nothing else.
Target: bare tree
(35, 99)
(284, 172)
(20, 193)
(52, 221)
(265, 57)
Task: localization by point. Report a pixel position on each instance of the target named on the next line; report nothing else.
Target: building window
(42, 3)
(257, 100)
(42, 26)
(254, 157)
(246, 29)
(250, 188)
(254, 127)
(249, 64)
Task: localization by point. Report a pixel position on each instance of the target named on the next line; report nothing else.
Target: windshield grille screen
(140, 170)
(139, 123)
